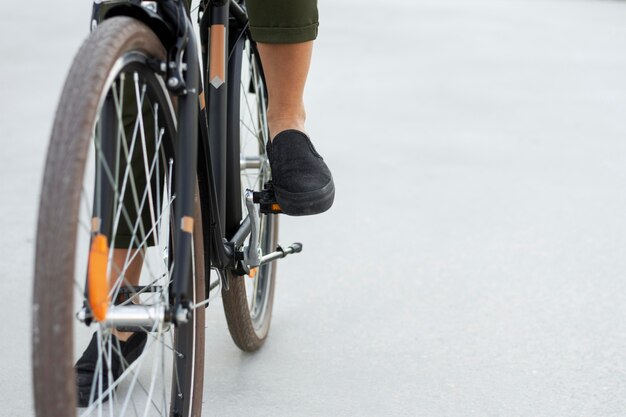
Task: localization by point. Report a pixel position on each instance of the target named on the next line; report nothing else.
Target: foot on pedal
(302, 182)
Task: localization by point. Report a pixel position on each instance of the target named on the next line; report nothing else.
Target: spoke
(158, 137)
(135, 379)
(248, 128)
(153, 381)
(153, 230)
(260, 102)
(136, 294)
(117, 195)
(154, 165)
(129, 260)
(178, 390)
(135, 251)
(245, 94)
(145, 148)
(128, 170)
(163, 391)
(121, 133)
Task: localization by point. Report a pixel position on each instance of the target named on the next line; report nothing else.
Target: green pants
(283, 21)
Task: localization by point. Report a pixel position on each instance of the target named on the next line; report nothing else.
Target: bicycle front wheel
(108, 175)
(249, 299)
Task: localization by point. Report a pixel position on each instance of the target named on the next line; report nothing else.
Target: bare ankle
(280, 121)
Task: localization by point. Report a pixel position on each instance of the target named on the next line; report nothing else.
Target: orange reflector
(98, 284)
(253, 272)
(276, 207)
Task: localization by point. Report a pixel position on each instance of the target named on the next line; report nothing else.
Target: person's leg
(286, 67)
(284, 31)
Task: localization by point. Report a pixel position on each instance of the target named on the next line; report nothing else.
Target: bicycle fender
(148, 14)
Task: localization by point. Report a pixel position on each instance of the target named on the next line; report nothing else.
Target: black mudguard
(155, 20)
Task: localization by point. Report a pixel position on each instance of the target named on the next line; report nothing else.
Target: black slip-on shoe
(86, 366)
(302, 182)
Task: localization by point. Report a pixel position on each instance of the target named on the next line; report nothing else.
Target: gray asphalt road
(474, 261)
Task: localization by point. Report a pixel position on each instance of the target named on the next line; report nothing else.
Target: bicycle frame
(208, 135)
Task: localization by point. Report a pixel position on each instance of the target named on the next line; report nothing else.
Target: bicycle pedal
(266, 199)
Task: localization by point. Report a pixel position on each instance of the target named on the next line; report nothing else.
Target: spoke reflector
(98, 284)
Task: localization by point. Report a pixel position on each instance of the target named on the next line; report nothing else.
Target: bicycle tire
(248, 302)
(117, 47)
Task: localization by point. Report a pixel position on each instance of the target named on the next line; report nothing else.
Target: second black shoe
(86, 366)
(302, 182)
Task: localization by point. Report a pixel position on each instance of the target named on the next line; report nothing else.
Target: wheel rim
(255, 172)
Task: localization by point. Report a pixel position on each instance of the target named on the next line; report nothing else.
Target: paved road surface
(474, 262)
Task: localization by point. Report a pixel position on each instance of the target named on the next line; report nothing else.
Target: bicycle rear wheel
(109, 173)
(248, 301)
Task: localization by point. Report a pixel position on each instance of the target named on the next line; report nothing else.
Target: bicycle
(150, 170)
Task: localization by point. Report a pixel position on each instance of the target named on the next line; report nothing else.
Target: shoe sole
(305, 204)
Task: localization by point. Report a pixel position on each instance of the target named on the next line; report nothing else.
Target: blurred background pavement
(474, 261)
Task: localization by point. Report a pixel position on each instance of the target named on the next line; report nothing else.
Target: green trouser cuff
(284, 35)
(283, 21)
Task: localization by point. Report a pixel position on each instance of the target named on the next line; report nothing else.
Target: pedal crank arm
(252, 252)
